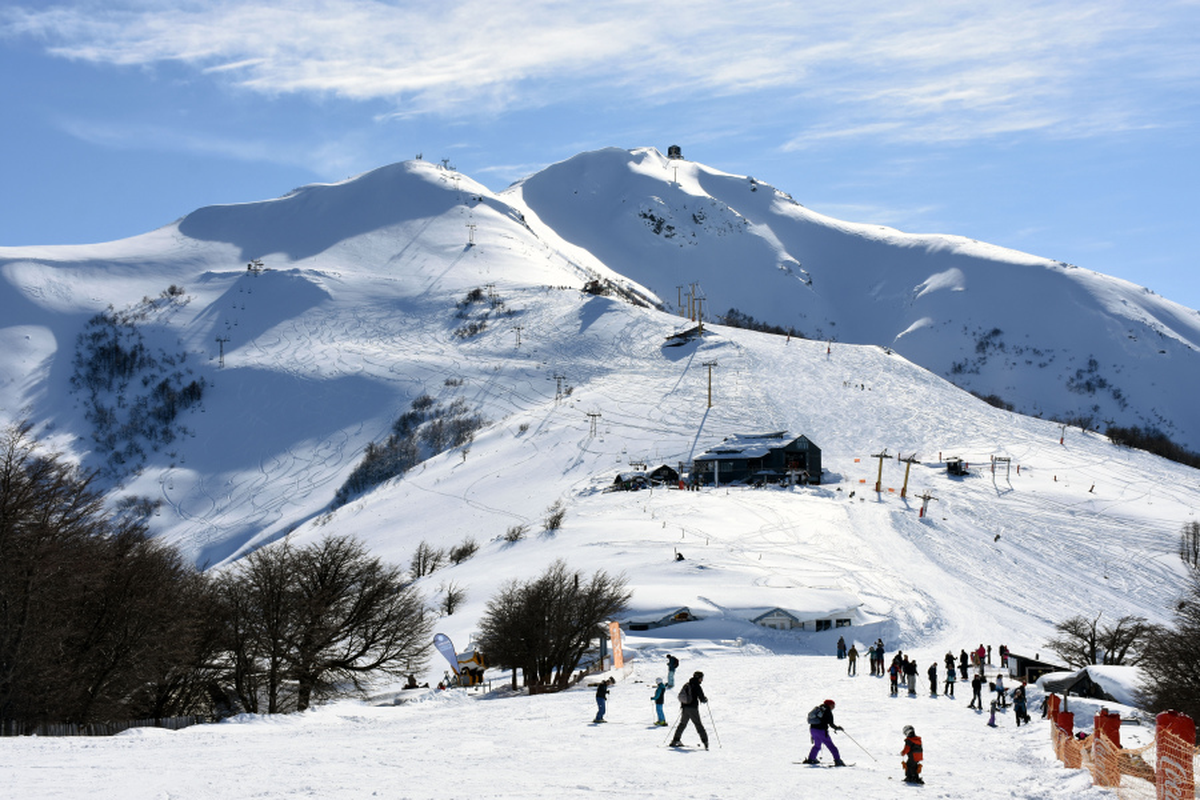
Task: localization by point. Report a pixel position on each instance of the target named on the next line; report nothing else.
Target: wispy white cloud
(940, 70)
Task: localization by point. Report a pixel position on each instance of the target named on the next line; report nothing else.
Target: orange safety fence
(1164, 769)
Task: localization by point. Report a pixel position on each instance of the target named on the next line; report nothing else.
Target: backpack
(685, 694)
(816, 717)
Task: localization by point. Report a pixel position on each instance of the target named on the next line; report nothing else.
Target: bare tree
(319, 619)
(356, 616)
(1189, 544)
(1083, 641)
(546, 625)
(1171, 667)
(426, 560)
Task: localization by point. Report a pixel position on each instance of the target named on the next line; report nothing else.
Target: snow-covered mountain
(232, 368)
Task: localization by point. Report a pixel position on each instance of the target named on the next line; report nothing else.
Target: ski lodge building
(759, 458)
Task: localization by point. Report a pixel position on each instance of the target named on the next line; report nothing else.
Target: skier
(948, 689)
(841, 647)
(672, 664)
(1019, 707)
(911, 671)
(660, 693)
(852, 655)
(602, 697)
(933, 679)
(820, 720)
(690, 698)
(894, 674)
(949, 661)
(962, 664)
(1001, 692)
(976, 690)
(914, 755)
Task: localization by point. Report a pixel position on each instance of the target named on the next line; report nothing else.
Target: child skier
(660, 692)
(914, 755)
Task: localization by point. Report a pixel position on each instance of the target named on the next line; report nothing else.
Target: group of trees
(100, 622)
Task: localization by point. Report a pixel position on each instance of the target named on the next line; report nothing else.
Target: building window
(824, 625)
(843, 623)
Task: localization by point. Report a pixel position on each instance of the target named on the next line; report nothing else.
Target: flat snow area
(459, 745)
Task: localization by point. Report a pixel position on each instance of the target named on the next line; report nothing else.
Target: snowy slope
(361, 308)
(1049, 338)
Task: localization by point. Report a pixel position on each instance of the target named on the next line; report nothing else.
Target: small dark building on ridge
(759, 458)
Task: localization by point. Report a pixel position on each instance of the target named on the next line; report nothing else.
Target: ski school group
(902, 672)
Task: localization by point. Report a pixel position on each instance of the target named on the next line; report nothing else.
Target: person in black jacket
(690, 698)
(820, 720)
(672, 665)
(602, 697)
(976, 692)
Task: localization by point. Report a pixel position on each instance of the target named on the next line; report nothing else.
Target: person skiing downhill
(690, 698)
(660, 693)
(820, 720)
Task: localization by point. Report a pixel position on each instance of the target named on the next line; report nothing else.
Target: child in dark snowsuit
(914, 755)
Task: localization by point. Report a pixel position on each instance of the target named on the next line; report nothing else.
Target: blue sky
(1065, 129)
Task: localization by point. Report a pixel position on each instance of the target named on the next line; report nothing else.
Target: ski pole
(674, 725)
(716, 735)
(860, 747)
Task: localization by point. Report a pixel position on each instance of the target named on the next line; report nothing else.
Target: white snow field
(357, 315)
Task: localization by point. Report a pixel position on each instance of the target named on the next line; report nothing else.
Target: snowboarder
(852, 655)
(660, 693)
(914, 754)
(602, 697)
(976, 693)
(690, 698)
(820, 720)
(672, 665)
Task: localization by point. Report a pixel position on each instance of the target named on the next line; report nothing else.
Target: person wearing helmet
(820, 720)
(660, 693)
(913, 754)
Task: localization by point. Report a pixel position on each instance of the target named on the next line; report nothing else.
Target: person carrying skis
(914, 755)
(602, 697)
(690, 698)
(820, 720)
(672, 665)
(660, 693)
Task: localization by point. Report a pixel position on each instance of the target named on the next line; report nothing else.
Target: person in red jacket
(914, 755)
